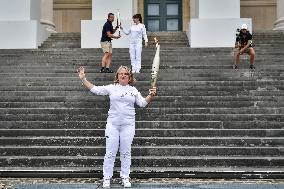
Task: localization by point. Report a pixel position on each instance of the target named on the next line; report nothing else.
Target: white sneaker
(106, 183)
(126, 183)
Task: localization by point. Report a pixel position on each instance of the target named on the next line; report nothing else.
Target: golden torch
(156, 64)
(118, 21)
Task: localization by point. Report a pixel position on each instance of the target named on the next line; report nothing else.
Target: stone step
(184, 69)
(222, 63)
(49, 82)
(209, 172)
(196, 107)
(145, 132)
(228, 78)
(76, 44)
(41, 54)
(252, 106)
(56, 71)
(77, 51)
(261, 69)
(256, 39)
(176, 72)
(162, 92)
(189, 89)
(255, 124)
(162, 110)
(246, 78)
(151, 39)
(258, 100)
(217, 172)
(149, 51)
(143, 151)
(63, 44)
(150, 34)
(167, 98)
(147, 117)
(121, 57)
(37, 85)
(274, 85)
(145, 161)
(154, 142)
(147, 56)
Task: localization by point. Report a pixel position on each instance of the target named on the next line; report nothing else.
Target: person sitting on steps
(244, 45)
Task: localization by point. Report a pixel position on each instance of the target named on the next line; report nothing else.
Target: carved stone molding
(72, 4)
(258, 3)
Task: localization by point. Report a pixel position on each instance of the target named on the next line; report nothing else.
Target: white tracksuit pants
(135, 51)
(118, 137)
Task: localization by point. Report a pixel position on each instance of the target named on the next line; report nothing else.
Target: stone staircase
(63, 40)
(208, 121)
(169, 39)
(73, 40)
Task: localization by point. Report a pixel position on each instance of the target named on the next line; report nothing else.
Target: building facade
(163, 15)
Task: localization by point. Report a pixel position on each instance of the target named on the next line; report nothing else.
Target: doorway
(163, 15)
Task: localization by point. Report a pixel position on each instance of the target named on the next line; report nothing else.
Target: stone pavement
(141, 183)
(152, 186)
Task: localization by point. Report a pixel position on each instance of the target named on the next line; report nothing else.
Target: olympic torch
(156, 64)
(118, 22)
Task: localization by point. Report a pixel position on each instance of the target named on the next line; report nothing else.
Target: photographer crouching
(244, 45)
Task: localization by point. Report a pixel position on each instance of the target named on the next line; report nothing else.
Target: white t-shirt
(122, 100)
(137, 31)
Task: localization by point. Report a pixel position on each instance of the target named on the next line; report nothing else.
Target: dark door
(163, 15)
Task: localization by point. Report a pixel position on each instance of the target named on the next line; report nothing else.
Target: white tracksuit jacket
(137, 31)
(120, 128)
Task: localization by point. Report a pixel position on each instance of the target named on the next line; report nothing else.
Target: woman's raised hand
(81, 72)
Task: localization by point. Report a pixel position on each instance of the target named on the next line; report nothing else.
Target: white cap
(244, 26)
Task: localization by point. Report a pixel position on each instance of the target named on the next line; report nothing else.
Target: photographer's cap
(244, 26)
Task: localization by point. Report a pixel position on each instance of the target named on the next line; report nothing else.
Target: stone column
(20, 24)
(279, 23)
(211, 27)
(135, 6)
(47, 15)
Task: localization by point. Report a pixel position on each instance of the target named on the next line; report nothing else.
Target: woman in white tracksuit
(137, 31)
(120, 127)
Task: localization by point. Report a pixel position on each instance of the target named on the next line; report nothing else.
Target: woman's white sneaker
(106, 183)
(126, 183)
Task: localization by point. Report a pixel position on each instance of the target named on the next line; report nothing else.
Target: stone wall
(69, 13)
(262, 12)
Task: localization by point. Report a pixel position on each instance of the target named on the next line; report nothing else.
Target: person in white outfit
(120, 127)
(137, 31)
